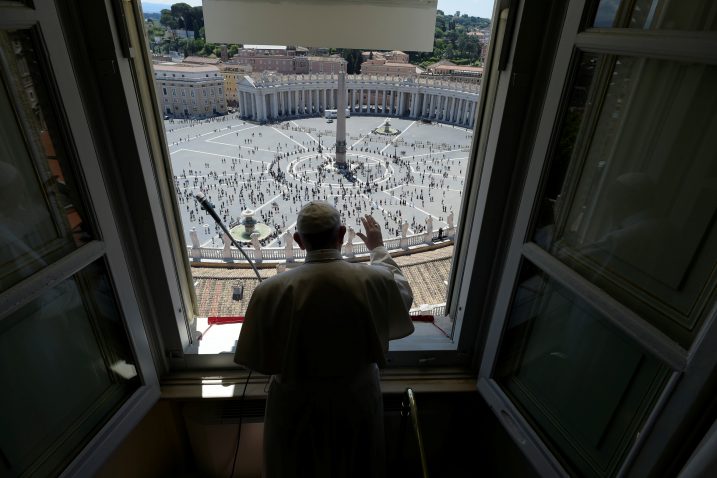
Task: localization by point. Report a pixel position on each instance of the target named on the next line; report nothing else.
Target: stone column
(341, 120)
(349, 246)
(288, 246)
(227, 252)
(404, 234)
(428, 237)
(257, 247)
(196, 248)
(451, 233)
(383, 103)
(353, 100)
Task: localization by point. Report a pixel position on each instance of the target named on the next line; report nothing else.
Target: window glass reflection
(698, 15)
(631, 198)
(66, 359)
(559, 358)
(40, 214)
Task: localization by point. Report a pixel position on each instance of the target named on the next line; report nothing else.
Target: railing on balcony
(268, 81)
(231, 255)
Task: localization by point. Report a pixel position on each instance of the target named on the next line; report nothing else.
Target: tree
(353, 60)
(182, 13)
(197, 20)
(167, 19)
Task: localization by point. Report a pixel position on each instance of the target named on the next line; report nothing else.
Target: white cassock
(322, 329)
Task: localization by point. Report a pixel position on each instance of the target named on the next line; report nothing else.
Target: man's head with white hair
(319, 227)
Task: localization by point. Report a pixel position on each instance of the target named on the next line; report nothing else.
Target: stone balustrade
(277, 255)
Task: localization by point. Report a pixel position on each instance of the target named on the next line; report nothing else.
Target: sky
(476, 8)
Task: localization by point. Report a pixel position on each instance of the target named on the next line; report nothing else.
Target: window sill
(221, 339)
(197, 385)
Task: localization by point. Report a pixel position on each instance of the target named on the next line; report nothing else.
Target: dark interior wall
(462, 438)
(461, 435)
(156, 447)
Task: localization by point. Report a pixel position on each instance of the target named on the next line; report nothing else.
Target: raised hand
(373, 237)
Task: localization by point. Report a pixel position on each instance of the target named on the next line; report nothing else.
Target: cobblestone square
(274, 169)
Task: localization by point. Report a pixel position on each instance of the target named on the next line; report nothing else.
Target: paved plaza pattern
(274, 169)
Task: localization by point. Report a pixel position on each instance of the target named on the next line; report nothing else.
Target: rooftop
(182, 67)
(203, 60)
(425, 272)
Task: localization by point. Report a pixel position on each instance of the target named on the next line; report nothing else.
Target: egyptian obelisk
(341, 119)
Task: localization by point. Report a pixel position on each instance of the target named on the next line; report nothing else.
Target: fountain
(247, 226)
(386, 129)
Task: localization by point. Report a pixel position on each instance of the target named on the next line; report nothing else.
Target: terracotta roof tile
(426, 272)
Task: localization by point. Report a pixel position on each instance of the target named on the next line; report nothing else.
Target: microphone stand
(207, 206)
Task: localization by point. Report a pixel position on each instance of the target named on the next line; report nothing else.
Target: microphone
(207, 206)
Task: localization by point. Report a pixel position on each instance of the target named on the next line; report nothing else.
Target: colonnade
(292, 97)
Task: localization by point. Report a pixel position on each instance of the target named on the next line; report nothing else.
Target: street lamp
(319, 143)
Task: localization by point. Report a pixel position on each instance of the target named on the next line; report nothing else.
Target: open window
(606, 302)
(259, 143)
(74, 358)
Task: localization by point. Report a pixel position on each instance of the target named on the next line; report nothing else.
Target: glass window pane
(40, 215)
(696, 15)
(631, 195)
(585, 387)
(65, 365)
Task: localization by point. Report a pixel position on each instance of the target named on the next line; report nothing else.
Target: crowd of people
(275, 176)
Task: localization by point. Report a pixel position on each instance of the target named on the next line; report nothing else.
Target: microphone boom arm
(207, 206)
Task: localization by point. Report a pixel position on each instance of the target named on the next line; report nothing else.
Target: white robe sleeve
(381, 258)
(400, 324)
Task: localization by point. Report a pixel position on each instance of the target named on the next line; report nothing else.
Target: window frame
(462, 345)
(44, 20)
(691, 368)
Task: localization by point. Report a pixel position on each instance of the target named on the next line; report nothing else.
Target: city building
(259, 62)
(449, 69)
(585, 330)
(189, 91)
(382, 66)
(233, 74)
(280, 97)
(287, 64)
(393, 56)
(202, 60)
